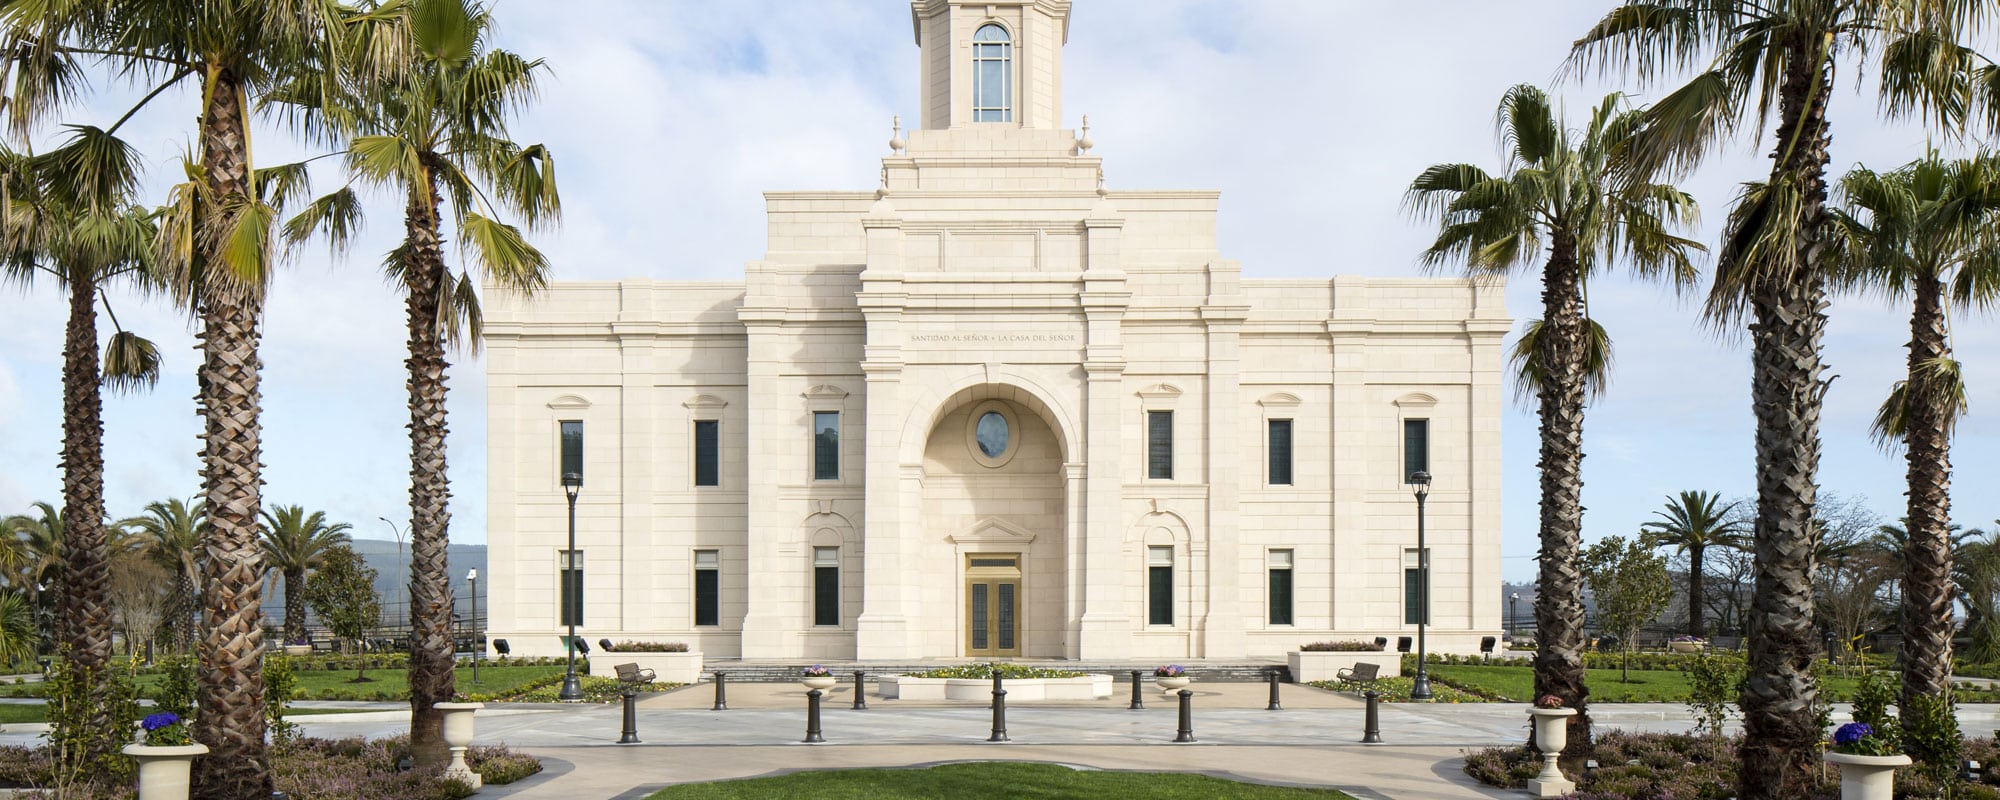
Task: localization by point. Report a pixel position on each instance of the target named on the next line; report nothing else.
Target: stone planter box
(1320, 665)
(667, 667)
(1021, 690)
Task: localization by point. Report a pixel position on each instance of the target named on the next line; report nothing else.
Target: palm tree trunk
(295, 605)
(1781, 734)
(83, 607)
(1927, 586)
(1559, 599)
(431, 678)
(1694, 591)
(230, 692)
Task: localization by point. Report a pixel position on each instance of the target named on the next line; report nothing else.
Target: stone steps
(781, 672)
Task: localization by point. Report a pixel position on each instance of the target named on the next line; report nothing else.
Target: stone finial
(1083, 142)
(896, 142)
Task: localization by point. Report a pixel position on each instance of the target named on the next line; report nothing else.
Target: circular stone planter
(1171, 685)
(1867, 777)
(820, 682)
(164, 769)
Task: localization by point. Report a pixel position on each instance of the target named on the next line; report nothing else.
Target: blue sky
(668, 119)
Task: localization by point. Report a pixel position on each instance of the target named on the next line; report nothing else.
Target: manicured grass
(1517, 684)
(1042, 781)
(383, 684)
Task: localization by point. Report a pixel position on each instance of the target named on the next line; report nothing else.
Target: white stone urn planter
(458, 736)
(1867, 777)
(164, 770)
(820, 682)
(1551, 736)
(1171, 685)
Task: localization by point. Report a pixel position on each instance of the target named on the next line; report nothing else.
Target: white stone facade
(992, 271)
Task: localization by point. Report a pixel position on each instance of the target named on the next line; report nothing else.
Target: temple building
(994, 407)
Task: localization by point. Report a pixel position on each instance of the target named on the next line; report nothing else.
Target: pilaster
(883, 629)
(1106, 628)
(1222, 627)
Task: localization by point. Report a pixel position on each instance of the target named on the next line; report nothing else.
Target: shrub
(1345, 646)
(280, 688)
(497, 765)
(985, 671)
(1397, 690)
(1505, 767)
(649, 647)
(1645, 766)
(1713, 685)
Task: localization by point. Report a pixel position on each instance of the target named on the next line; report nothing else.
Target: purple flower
(1852, 732)
(154, 722)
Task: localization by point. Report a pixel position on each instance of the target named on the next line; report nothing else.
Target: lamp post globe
(1513, 620)
(572, 691)
(1420, 687)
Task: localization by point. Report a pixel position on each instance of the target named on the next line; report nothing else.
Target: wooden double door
(993, 604)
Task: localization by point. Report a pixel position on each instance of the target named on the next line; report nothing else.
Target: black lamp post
(572, 691)
(1420, 484)
(1513, 623)
(478, 647)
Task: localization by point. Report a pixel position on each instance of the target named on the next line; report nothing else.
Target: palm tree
(294, 544)
(221, 259)
(1564, 190)
(1920, 231)
(172, 531)
(68, 217)
(18, 639)
(437, 135)
(1757, 57)
(1691, 524)
(37, 542)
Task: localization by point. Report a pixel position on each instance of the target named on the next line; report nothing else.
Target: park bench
(1361, 676)
(631, 677)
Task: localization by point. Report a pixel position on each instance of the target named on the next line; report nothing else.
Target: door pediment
(993, 531)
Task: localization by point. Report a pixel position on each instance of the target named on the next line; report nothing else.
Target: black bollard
(860, 694)
(1371, 727)
(812, 717)
(1136, 702)
(721, 699)
(631, 733)
(1186, 733)
(1274, 693)
(999, 710)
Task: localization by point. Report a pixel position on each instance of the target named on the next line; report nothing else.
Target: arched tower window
(992, 75)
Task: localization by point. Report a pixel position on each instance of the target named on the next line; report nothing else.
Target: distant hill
(391, 563)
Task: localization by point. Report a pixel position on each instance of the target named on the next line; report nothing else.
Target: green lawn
(1517, 684)
(1040, 781)
(383, 684)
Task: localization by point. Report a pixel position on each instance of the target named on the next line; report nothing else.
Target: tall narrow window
(1280, 437)
(826, 586)
(1281, 587)
(1414, 595)
(992, 75)
(826, 445)
(1159, 585)
(1160, 445)
(570, 562)
(707, 587)
(1416, 446)
(707, 452)
(572, 449)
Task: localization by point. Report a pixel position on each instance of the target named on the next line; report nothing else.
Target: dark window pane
(826, 446)
(1413, 596)
(979, 635)
(1416, 446)
(1006, 616)
(1160, 445)
(1281, 597)
(572, 448)
(707, 597)
(1281, 452)
(1160, 596)
(826, 595)
(707, 453)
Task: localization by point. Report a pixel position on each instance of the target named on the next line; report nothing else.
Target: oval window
(992, 434)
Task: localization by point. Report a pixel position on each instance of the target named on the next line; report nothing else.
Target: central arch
(994, 513)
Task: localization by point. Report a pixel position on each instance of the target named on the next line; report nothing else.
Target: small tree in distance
(1632, 588)
(342, 593)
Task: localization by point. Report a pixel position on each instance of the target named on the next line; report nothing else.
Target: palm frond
(503, 254)
(337, 216)
(131, 362)
(1524, 361)
(460, 317)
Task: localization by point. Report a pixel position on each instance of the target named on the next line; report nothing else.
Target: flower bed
(349, 769)
(1346, 646)
(1397, 690)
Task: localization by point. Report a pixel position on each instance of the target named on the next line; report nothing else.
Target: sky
(669, 118)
